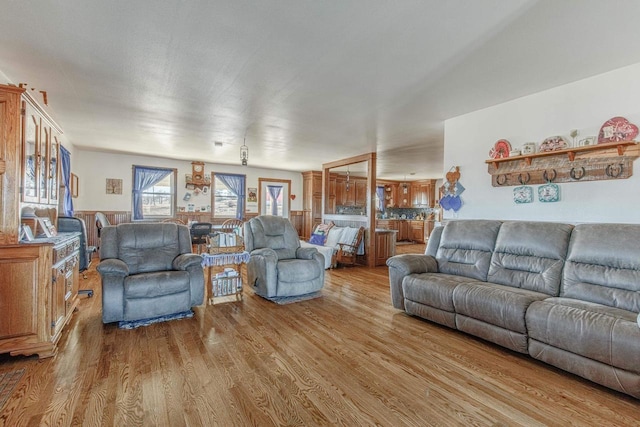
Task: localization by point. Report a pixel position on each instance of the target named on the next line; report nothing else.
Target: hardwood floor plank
(348, 359)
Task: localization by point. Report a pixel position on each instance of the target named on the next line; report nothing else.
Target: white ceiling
(307, 82)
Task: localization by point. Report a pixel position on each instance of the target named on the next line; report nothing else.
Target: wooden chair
(348, 252)
(231, 225)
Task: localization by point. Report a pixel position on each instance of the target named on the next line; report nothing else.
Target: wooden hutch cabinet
(311, 202)
(38, 280)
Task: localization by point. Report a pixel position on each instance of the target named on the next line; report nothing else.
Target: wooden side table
(225, 273)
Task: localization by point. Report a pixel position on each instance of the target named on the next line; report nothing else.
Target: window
(154, 192)
(228, 195)
(273, 196)
(274, 200)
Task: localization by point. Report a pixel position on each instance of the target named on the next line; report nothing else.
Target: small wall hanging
(451, 190)
(114, 186)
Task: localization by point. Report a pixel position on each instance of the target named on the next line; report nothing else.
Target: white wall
(93, 168)
(583, 105)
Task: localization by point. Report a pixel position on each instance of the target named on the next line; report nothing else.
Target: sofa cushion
(317, 239)
(147, 247)
(606, 334)
(151, 285)
(530, 255)
(499, 305)
(603, 265)
(432, 289)
(466, 247)
(298, 270)
(334, 236)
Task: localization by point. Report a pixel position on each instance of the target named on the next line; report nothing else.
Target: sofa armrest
(305, 253)
(413, 263)
(401, 266)
(184, 261)
(113, 266)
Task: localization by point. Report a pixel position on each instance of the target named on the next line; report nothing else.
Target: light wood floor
(347, 359)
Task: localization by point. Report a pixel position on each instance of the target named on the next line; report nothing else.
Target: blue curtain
(236, 184)
(143, 178)
(274, 191)
(65, 158)
(380, 193)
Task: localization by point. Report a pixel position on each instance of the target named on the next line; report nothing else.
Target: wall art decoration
(252, 195)
(74, 185)
(501, 149)
(617, 129)
(523, 194)
(549, 193)
(451, 190)
(114, 186)
(553, 143)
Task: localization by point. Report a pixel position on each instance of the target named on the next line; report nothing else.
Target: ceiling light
(244, 153)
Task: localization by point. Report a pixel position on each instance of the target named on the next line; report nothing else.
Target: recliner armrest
(113, 266)
(306, 253)
(184, 261)
(267, 253)
(413, 263)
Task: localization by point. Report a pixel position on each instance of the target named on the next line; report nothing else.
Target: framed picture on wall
(252, 195)
(74, 185)
(114, 186)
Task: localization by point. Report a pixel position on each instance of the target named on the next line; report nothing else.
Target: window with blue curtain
(229, 195)
(274, 202)
(154, 192)
(380, 197)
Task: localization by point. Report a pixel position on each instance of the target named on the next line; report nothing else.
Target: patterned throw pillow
(318, 239)
(323, 228)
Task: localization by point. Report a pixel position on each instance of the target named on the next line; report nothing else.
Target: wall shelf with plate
(613, 160)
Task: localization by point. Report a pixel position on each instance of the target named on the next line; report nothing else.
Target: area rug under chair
(297, 298)
(8, 381)
(132, 324)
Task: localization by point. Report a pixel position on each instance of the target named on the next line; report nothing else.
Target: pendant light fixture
(244, 152)
(347, 187)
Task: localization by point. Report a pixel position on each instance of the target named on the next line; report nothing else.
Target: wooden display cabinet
(40, 137)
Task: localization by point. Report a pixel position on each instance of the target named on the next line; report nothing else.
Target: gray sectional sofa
(568, 296)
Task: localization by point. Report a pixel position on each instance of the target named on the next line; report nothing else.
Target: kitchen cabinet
(360, 192)
(385, 246)
(403, 230)
(404, 195)
(390, 195)
(422, 193)
(355, 194)
(416, 231)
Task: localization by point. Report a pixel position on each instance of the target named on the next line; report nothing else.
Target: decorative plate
(617, 129)
(549, 193)
(500, 149)
(523, 194)
(553, 143)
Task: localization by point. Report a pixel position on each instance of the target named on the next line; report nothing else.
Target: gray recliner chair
(148, 270)
(278, 266)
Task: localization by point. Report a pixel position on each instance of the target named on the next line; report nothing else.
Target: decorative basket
(225, 249)
(214, 244)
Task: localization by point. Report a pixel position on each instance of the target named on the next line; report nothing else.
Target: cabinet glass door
(43, 155)
(30, 140)
(54, 169)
